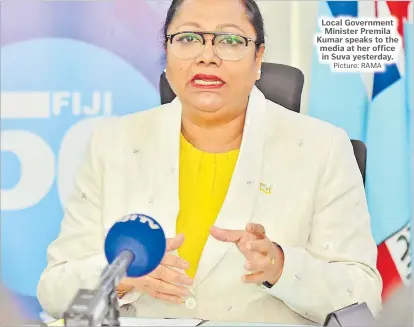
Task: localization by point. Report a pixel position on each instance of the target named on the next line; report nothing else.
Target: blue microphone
(134, 246)
(138, 241)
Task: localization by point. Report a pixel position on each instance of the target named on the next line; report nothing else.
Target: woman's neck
(214, 137)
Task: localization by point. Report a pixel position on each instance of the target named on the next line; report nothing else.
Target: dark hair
(253, 12)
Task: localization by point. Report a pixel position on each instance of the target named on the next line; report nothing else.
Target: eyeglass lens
(190, 45)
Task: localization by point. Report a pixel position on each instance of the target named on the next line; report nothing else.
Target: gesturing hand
(164, 283)
(264, 258)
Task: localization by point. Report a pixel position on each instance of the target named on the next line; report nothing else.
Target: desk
(129, 321)
(234, 324)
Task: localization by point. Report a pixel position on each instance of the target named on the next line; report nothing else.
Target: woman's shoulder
(147, 115)
(144, 118)
(115, 129)
(294, 124)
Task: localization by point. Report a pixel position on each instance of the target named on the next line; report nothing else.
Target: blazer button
(190, 303)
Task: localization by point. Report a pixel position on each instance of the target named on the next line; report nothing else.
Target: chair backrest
(360, 152)
(283, 85)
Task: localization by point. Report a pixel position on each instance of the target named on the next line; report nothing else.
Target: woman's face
(206, 82)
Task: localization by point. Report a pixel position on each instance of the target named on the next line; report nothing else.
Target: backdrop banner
(64, 66)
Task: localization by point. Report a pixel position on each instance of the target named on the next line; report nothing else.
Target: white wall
(290, 26)
(277, 21)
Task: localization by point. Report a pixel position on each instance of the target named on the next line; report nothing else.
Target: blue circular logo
(53, 93)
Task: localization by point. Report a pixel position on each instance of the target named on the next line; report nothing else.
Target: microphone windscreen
(141, 235)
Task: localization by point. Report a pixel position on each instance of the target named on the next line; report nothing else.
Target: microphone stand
(100, 307)
(90, 308)
(113, 313)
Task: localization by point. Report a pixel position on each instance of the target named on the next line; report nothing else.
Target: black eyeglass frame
(170, 37)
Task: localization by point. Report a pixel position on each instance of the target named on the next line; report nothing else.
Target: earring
(165, 70)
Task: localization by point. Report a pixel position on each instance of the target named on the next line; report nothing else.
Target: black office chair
(283, 85)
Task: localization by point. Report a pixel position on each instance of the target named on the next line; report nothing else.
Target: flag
(409, 58)
(329, 97)
(374, 108)
(388, 167)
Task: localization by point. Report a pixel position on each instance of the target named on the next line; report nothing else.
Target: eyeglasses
(227, 46)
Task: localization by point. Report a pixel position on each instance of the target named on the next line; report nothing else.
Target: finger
(120, 295)
(162, 297)
(157, 285)
(261, 264)
(256, 229)
(175, 261)
(226, 235)
(259, 246)
(124, 287)
(161, 286)
(174, 243)
(254, 278)
(172, 276)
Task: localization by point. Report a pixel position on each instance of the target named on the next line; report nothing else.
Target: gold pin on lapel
(266, 189)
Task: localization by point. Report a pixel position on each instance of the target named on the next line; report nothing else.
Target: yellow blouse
(204, 181)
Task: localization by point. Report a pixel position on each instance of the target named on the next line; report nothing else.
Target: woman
(264, 208)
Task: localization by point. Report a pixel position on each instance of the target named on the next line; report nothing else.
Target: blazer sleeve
(338, 266)
(76, 258)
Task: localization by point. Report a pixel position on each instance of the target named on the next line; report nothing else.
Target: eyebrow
(190, 24)
(223, 26)
(219, 27)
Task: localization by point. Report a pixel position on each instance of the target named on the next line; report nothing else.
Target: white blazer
(296, 175)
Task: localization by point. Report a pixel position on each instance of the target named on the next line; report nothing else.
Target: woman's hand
(165, 282)
(264, 259)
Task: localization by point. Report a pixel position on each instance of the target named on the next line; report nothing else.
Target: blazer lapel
(153, 175)
(155, 164)
(239, 204)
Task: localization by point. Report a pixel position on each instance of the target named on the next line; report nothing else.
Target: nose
(208, 56)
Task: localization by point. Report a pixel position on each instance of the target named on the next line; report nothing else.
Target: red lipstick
(203, 81)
